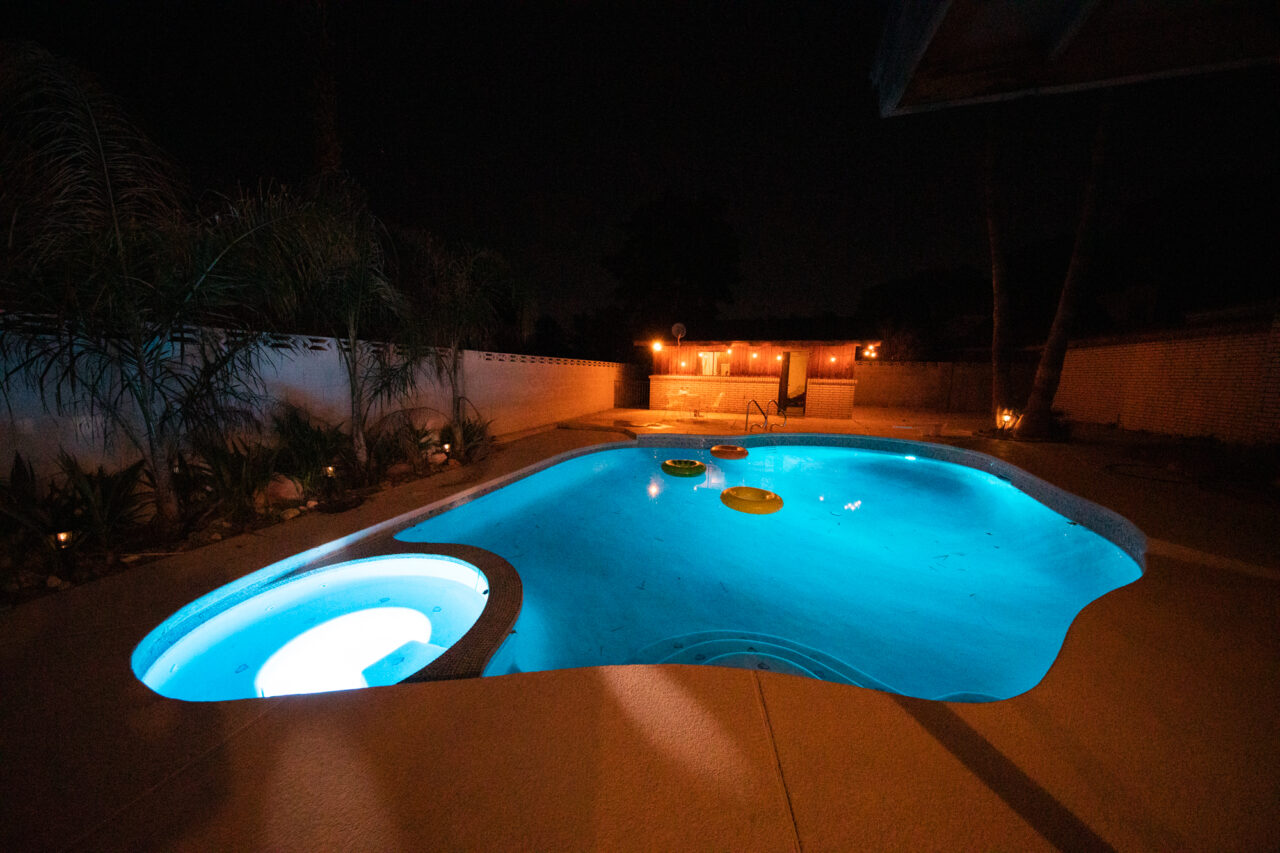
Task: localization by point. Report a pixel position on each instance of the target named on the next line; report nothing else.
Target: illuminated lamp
(1007, 419)
(657, 346)
(779, 358)
(833, 359)
(330, 471)
(755, 355)
(62, 539)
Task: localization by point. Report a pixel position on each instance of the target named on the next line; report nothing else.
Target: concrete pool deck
(1156, 729)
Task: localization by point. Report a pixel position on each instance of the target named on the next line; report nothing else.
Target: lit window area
(713, 363)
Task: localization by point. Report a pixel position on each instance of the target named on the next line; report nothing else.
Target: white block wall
(514, 392)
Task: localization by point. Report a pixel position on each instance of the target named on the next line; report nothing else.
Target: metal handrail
(746, 421)
(779, 410)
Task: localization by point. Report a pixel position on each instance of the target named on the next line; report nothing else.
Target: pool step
(745, 650)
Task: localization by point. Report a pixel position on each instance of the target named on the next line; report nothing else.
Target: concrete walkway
(1156, 729)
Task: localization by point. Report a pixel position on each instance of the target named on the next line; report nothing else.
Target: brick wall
(941, 386)
(727, 394)
(1223, 383)
(829, 398)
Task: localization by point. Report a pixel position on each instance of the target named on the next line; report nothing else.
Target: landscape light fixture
(62, 539)
(330, 471)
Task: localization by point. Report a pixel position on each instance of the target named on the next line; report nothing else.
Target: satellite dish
(678, 331)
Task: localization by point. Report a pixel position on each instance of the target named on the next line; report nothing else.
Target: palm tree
(1001, 393)
(457, 294)
(1037, 418)
(343, 291)
(113, 296)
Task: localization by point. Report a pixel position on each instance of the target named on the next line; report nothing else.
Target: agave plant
(108, 504)
(307, 447)
(36, 512)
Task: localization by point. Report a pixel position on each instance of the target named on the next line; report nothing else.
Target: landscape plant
(342, 291)
(116, 298)
(306, 447)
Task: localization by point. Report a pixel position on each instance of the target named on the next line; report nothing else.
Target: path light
(446, 446)
(330, 471)
(62, 539)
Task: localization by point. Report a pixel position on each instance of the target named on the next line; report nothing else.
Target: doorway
(793, 382)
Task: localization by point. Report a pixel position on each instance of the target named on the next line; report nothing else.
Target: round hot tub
(362, 623)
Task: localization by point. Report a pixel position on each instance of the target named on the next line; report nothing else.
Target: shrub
(305, 447)
(235, 471)
(473, 435)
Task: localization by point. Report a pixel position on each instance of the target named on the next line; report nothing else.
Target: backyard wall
(514, 392)
(943, 386)
(1221, 382)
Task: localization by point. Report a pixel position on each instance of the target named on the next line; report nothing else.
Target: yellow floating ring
(729, 451)
(683, 467)
(750, 499)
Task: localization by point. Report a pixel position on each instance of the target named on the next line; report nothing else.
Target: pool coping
(467, 657)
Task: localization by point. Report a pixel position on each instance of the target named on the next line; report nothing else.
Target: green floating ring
(683, 467)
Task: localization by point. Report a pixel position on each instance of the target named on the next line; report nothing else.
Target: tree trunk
(324, 89)
(1037, 419)
(352, 358)
(459, 440)
(1001, 394)
(165, 494)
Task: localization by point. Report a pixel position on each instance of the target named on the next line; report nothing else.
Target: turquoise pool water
(919, 576)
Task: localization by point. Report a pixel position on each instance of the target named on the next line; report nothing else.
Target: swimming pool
(885, 567)
(917, 568)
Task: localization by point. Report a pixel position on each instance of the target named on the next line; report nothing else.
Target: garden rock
(283, 489)
(400, 469)
(438, 458)
(292, 512)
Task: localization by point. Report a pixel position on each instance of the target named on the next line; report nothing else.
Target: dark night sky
(536, 128)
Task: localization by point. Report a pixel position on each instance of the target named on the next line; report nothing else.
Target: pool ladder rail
(747, 426)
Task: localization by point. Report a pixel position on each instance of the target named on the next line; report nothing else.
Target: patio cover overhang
(941, 53)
